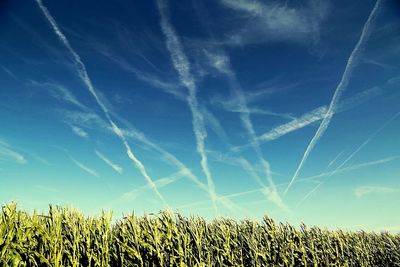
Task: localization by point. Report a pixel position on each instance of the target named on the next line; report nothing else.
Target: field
(65, 237)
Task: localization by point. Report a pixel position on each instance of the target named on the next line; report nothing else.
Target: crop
(65, 237)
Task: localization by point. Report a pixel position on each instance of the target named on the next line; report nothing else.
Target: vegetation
(64, 237)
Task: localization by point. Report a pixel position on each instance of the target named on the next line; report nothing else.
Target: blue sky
(215, 108)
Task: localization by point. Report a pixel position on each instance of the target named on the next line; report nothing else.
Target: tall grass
(64, 237)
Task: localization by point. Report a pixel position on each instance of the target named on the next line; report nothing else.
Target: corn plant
(65, 237)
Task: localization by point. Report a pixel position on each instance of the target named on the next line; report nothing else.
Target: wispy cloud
(355, 152)
(79, 132)
(366, 190)
(212, 121)
(81, 70)
(270, 192)
(373, 135)
(114, 166)
(162, 182)
(182, 66)
(394, 80)
(86, 119)
(166, 86)
(342, 86)
(317, 114)
(305, 120)
(93, 121)
(233, 105)
(272, 21)
(312, 191)
(9, 72)
(84, 167)
(42, 160)
(172, 160)
(232, 160)
(334, 159)
(8, 154)
(59, 92)
(351, 168)
(305, 179)
(221, 62)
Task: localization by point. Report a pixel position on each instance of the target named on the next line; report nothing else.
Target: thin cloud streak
(84, 167)
(162, 182)
(82, 72)
(352, 168)
(212, 122)
(305, 179)
(234, 105)
(59, 92)
(234, 161)
(309, 194)
(165, 86)
(168, 157)
(79, 132)
(355, 152)
(342, 86)
(182, 66)
(221, 63)
(9, 154)
(368, 140)
(315, 115)
(361, 191)
(271, 195)
(266, 22)
(114, 166)
(9, 72)
(93, 121)
(334, 160)
(305, 120)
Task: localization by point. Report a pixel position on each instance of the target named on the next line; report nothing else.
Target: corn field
(65, 237)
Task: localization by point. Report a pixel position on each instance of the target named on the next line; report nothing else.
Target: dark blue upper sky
(227, 107)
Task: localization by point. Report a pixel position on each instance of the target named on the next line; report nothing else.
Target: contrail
(271, 195)
(93, 120)
(79, 132)
(6, 153)
(305, 120)
(340, 167)
(351, 62)
(84, 167)
(166, 86)
(334, 160)
(309, 194)
(313, 116)
(352, 168)
(162, 182)
(310, 178)
(368, 140)
(82, 72)
(182, 66)
(222, 64)
(317, 115)
(320, 183)
(364, 190)
(114, 166)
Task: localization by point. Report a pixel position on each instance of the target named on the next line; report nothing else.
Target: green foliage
(64, 237)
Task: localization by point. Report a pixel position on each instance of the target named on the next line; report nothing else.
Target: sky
(234, 108)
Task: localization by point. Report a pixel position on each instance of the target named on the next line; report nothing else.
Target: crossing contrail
(82, 73)
(221, 62)
(182, 66)
(351, 63)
